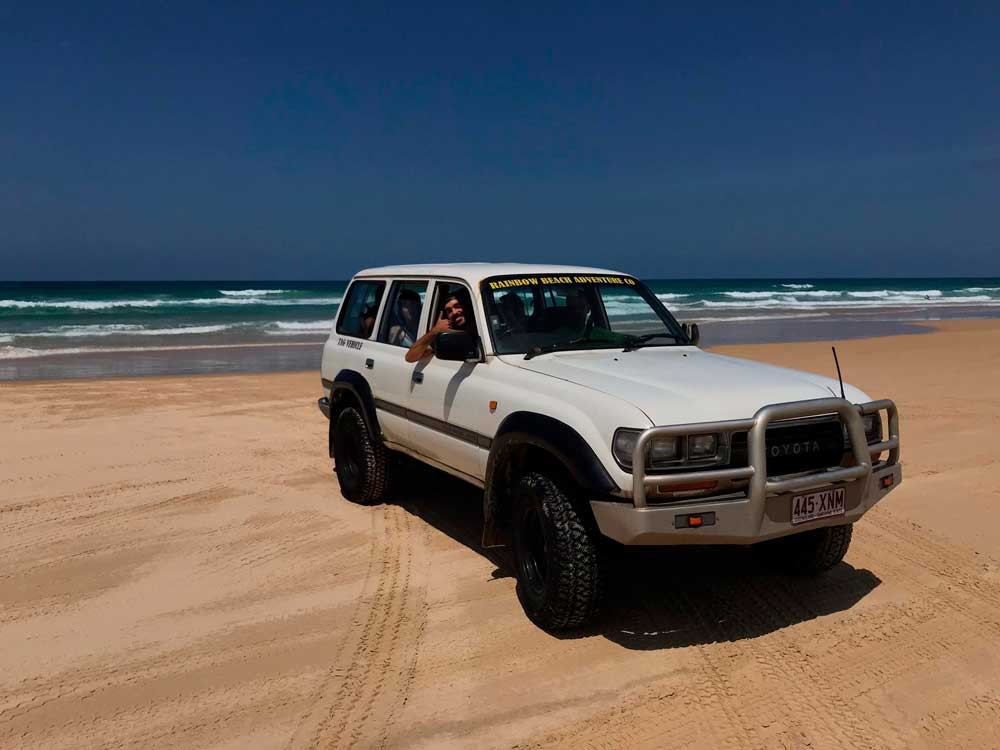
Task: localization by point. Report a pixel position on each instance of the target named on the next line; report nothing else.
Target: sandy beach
(178, 570)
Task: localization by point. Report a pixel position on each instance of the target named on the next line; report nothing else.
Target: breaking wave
(14, 352)
(126, 329)
(111, 304)
(298, 328)
(251, 292)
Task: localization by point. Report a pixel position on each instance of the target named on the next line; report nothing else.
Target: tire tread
(375, 469)
(574, 566)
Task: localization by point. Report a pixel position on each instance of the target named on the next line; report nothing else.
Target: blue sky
(176, 140)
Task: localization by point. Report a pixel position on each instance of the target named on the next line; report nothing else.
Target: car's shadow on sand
(657, 597)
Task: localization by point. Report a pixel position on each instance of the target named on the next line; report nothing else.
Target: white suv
(586, 411)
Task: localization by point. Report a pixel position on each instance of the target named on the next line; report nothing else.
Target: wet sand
(178, 570)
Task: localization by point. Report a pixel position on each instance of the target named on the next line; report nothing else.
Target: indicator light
(694, 520)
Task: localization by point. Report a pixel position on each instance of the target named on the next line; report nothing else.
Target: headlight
(669, 451)
(664, 449)
(624, 446)
(873, 427)
(703, 446)
(660, 449)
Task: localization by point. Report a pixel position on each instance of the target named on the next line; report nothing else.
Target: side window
(360, 309)
(402, 316)
(443, 290)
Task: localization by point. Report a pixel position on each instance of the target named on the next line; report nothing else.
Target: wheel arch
(532, 441)
(350, 388)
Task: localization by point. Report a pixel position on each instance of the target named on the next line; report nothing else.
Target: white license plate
(819, 504)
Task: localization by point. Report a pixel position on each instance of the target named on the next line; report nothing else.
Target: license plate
(819, 504)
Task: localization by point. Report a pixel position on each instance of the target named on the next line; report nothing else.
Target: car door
(448, 406)
(353, 337)
(398, 329)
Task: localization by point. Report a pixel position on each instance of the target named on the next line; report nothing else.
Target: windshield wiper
(558, 346)
(635, 342)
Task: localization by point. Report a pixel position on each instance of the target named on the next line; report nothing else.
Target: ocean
(72, 329)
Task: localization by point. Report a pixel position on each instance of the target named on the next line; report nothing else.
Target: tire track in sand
(375, 663)
(952, 607)
(742, 658)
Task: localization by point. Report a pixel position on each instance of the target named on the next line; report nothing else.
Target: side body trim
(433, 423)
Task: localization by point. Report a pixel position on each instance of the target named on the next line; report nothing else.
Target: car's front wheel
(808, 552)
(361, 462)
(555, 554)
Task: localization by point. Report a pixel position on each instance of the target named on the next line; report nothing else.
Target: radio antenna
(839, 376)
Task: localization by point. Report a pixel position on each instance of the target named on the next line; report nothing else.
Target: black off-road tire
(809, 552)
(361, 462)
(556, 556)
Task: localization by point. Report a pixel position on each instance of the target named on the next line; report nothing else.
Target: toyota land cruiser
(583, 409)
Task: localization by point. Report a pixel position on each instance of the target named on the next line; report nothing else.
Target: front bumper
(765, 511)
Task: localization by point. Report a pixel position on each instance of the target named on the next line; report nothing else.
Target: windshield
(533, 314)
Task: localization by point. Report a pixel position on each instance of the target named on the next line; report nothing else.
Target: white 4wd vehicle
(584, 410)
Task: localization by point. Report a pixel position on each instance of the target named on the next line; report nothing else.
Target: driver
(582, 323)
(456, 315)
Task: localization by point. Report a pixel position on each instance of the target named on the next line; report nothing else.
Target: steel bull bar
(760, 485)
(765, 511)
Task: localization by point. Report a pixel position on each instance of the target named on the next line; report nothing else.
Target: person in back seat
(405, 316)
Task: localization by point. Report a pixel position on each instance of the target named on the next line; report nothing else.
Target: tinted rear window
(360, 309)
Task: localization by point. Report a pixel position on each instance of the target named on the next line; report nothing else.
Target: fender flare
(351, 383)
(560, 441)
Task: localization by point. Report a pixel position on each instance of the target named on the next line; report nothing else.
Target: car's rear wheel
(555, 555)
(361, 462)
(808, 552)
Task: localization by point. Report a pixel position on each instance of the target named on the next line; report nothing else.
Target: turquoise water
(48, 319)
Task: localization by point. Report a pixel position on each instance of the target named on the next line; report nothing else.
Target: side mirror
(692, 332)
(457, 346)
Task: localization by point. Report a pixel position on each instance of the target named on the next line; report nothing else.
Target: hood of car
(674, 385)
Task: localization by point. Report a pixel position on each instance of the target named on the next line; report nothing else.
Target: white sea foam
(123, 329)
(749, 295)
(896, 293)
(797, 286)
(130, 329)
(17, 352)
(14, 352)
(975, 289)
(781, 295)
(867, 302)
(251, 292)
(666, 296)
(75, 304)
(773, 316)
(298, 327)
(211, 301)
(161, 302)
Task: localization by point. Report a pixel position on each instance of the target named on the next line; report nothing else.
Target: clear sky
(298, 140)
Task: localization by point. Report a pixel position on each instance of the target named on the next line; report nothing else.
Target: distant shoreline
(79, 330)
(299, 356)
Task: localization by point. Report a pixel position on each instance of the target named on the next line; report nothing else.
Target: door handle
(418, 377)
(369, 363)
